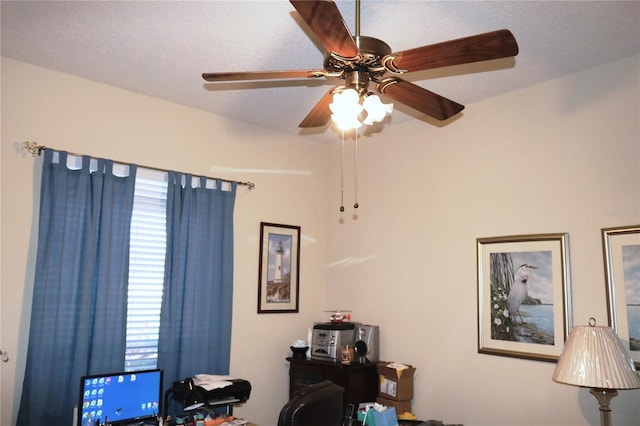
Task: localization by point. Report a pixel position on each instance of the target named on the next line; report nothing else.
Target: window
(146, 269)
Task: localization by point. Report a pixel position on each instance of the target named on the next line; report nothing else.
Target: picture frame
(279, 268)
(621, 250)
(524, 295)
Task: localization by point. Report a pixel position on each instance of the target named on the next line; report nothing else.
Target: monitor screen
(120, 398)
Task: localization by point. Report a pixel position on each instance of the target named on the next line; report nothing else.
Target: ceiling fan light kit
(348, 105)
(346, 108)
(359, 60)
(376, 110)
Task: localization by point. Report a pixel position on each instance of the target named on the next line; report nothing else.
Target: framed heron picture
(278, 268)
(524, 295)
(621, 248)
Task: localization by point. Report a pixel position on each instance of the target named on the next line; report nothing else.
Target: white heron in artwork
(519, 290)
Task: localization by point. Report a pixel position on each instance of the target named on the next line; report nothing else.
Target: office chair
(320, 404)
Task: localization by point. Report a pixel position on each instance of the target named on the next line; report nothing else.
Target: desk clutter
(379, 415)
(202, 419)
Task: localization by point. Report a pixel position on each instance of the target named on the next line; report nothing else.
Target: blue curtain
(195, 325)
(78, 317)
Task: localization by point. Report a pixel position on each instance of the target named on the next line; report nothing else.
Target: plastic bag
(386, 417)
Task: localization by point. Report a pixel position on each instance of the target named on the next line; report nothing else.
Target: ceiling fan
(360, 60)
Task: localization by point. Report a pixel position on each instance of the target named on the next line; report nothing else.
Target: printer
(210, 390)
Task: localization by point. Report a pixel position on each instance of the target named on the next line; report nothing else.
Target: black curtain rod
(34, 149)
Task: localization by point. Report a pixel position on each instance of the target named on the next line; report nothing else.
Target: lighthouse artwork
(279, 262)
(279, 272)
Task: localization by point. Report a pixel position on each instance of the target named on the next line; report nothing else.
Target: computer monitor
(120, 398)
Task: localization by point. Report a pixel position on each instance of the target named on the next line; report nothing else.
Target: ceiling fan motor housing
(372, 46)
(358, 71)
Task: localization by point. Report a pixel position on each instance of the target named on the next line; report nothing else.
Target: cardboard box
(395, 384)
(400, 406)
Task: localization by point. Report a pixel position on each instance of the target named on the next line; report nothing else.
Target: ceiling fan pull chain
(342, 174)
(355, 172)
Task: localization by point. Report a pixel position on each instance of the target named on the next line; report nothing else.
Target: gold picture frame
(524, 295)
(621, 249)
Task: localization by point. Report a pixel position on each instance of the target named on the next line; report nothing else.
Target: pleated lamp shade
(594, 357)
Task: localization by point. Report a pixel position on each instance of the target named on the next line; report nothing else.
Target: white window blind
(146, 269)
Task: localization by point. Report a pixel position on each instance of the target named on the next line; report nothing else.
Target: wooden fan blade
(262, 75)
(320, 114)
(325, 20)
(481, 47)
(419, 99)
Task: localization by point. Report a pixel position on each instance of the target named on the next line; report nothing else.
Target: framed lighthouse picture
(279, 268)
(524, 297)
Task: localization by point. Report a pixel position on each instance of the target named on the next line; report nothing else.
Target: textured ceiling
(161, 49)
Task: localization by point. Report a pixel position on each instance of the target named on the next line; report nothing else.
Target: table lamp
(594, 357)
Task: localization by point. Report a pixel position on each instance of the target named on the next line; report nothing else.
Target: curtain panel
(195, 325)
(77, 321)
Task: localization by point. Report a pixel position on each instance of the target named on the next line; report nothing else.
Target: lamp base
(604, 397)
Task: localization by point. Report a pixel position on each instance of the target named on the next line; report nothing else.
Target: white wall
(557, 157)
(562, 156)
(79, 116)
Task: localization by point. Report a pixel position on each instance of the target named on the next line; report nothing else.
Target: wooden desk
(360, 381)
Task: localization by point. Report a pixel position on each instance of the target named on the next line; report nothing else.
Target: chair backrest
(320, 404)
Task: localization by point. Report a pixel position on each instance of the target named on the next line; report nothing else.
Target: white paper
(210, 381)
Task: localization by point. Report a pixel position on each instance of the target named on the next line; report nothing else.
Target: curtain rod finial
(33, 148)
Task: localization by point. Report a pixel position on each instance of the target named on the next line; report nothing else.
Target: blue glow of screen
(120, 397)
